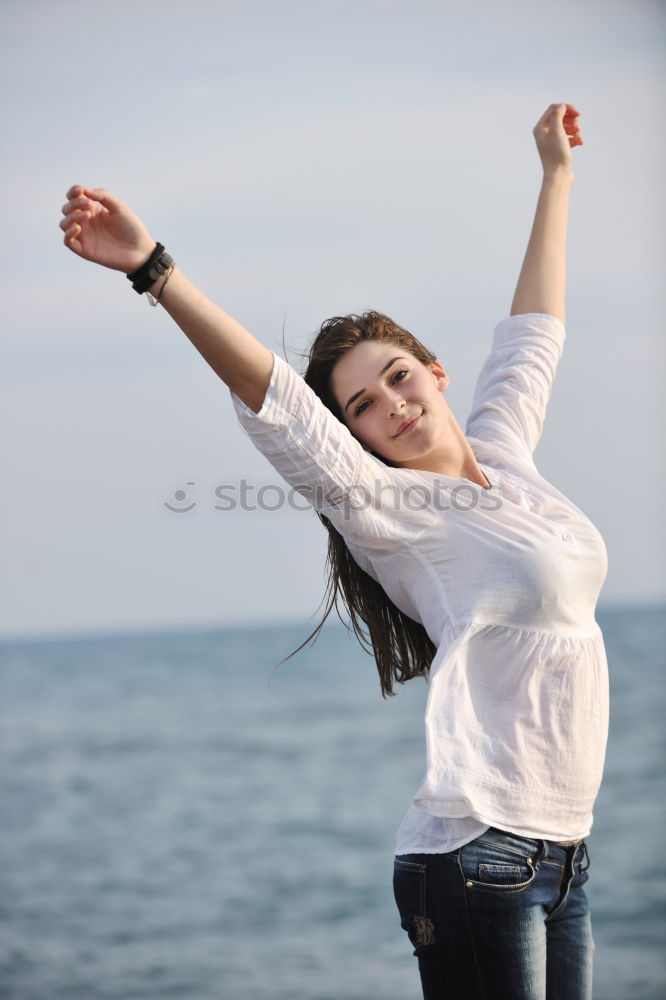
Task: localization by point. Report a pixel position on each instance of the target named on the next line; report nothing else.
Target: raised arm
(542, 280)
(104, 230)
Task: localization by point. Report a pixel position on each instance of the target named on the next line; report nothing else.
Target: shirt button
(566, 536)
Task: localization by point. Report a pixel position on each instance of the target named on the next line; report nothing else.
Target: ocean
(180, 818)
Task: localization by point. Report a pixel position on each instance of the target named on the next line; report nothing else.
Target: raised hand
(556, 133)
(104, 229)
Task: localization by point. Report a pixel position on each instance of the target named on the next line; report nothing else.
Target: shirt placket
(506, 485)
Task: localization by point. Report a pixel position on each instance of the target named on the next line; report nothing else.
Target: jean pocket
(409, 890)
(494, 868)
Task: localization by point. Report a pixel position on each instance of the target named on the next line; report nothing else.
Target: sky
(302, 160)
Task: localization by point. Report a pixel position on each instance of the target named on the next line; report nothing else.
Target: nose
(395, 402)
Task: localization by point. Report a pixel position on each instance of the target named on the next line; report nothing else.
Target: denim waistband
(529, 845)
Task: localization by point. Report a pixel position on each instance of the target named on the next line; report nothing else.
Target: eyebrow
(384, 369)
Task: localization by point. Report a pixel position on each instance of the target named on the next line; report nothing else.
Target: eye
(395, 377)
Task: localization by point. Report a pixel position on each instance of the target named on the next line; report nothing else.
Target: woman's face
(393, 403)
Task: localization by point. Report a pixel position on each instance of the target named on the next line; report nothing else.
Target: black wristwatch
(157, 264)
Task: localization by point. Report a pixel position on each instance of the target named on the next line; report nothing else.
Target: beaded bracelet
(155, 299)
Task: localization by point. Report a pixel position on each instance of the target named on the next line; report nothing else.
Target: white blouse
(505, 582)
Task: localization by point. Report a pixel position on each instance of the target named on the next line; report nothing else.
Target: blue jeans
(501, 918)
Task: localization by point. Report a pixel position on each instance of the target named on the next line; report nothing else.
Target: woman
(464, 565)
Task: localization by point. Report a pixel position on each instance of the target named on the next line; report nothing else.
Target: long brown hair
(401, 647)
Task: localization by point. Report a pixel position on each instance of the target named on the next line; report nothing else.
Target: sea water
(182, 819)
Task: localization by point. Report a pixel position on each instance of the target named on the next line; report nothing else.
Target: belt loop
(571, 859)
(542, 852)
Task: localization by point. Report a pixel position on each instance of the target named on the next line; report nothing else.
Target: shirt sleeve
(513, 388)
(371, 504)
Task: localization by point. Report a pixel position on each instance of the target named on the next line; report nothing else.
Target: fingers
(564, 115)
(104, 198)
(80, 206)
(571, 126)
(79, 193)
(75, 212)
(566, 112)
(70, 238)
(565, 109)
(73, 218)
(83, 204)
(77, 209)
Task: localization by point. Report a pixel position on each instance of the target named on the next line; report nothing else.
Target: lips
(407, 425)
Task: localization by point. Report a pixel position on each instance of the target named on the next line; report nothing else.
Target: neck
(456, 459)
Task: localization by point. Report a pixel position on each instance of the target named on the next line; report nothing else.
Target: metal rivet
(469, 884)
